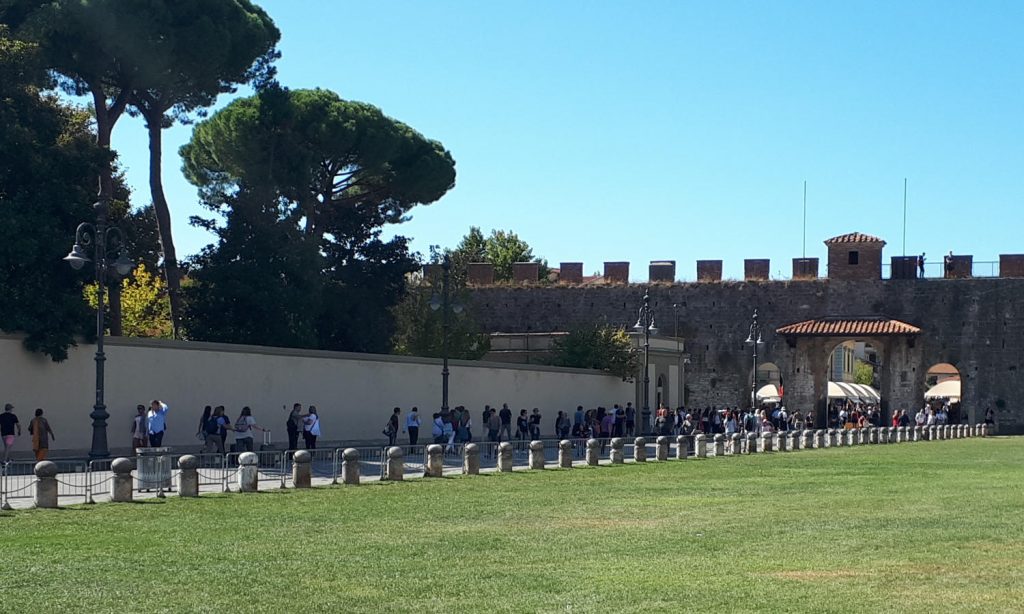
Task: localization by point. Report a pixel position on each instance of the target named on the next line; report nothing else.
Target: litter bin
(153, 469)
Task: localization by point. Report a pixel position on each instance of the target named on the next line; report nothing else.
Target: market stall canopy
(769, 393)
(949, 389)
(854, 392)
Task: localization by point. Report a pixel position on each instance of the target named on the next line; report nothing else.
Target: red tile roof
(829, 327)
(854, 237)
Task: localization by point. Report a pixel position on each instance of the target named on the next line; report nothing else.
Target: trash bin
(153, 469)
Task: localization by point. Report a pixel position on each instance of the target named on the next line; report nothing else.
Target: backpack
(212, 426)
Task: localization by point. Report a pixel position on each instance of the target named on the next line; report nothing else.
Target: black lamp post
(645, 323)
(444, 303)
(754, 340)
(100, 237)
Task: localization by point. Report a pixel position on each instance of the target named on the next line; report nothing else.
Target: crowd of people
(454, 427)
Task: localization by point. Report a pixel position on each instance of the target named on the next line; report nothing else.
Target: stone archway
(810, 343)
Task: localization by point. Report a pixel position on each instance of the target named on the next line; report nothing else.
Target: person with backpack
(506, 423)
(293, 426)
(212, 426)
(437, 429)
(244, 427)
(391, 426)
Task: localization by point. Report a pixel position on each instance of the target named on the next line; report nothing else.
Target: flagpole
(805, 220)
(904, 216)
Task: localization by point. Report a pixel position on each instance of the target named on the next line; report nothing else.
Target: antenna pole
(904, 216)
(805, 220)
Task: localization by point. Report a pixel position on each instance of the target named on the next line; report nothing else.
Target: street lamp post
(754, 340)
(444, 303)
(100, 237)
(645, 323)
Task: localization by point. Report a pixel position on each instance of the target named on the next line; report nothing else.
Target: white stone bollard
(840, 437)
(593, 452)
(248, 472)
(435, 461)
(830, 438)
(350, 467)
(735, 441)
(122, 489)
(640, 450)
(661, 452)
(188, 476)
(794, 440)
(850, 437)
(941, 432)
(891, 438)
(682, 447)
(471, 459)
(718, 443)
(766, 442)
(536, 454)
(807, 439)
(565, 454)
(302, 469)
(751, 443)
(819, 438)
(46, 484)
(984, 430)
(873, 434)
(617, 454)
(700, 445)
(782, 445)
(395, 470)
(505, 457)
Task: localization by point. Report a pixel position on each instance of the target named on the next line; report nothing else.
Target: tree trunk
(163, 221)
(105, 120)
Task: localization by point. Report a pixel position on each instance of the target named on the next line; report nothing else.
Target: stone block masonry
(977, 325)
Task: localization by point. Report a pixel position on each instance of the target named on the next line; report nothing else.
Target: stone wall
(975, 324)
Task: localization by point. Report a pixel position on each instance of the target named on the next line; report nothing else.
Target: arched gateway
(810, 343)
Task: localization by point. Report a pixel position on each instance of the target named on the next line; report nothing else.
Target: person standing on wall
(391, 426)
(156, 420)
(311, 428)
(139, 428)
(294, 425)
(412, 424)
(41, 433)
(8, 425)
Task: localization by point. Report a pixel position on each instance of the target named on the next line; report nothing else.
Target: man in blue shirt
(157, 419)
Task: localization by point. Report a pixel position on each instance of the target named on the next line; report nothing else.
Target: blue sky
(644, 131)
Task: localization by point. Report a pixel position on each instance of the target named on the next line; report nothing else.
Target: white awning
(854, 392)
(768, 393)
(949, 389)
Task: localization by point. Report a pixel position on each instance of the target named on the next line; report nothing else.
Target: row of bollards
(721, 445)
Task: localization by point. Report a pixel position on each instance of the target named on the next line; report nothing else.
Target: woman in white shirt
(311, 428)
(244, 427)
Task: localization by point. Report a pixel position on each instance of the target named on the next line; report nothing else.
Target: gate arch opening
(853, 387)
(943, 393)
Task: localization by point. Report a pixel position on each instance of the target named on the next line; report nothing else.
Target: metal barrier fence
(17, 481)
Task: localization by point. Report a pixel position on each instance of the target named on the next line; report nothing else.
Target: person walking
(293, 426)
(244, 427)
(156, 422)
(41, 433)
(311, 428)
(412, 425)
(225, 425)
(522, 425)
(8, 426)
(493, 427)
(140, 429)
(212, 425)
(391, 426)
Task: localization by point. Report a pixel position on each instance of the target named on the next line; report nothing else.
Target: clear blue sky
(678, 130)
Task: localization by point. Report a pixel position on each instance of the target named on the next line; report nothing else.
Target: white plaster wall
(354, 393)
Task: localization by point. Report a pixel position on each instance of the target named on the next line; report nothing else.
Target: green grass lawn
(919, 527)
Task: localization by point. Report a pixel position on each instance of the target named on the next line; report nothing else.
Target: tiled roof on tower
(854, 237)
